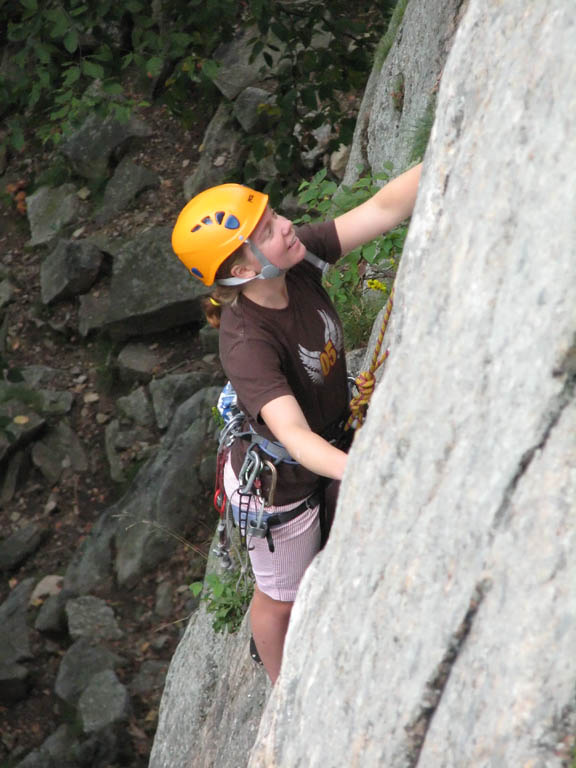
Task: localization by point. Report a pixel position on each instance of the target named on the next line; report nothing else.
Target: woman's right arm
(285, 419)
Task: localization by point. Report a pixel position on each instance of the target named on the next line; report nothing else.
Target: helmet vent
(196, 228)
(207, 220)
(219, 216)
(232, 222)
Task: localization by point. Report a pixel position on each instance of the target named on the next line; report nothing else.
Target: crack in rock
(417, 729)
(558, 406)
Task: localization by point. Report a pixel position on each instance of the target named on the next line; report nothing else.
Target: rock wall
(400, 97)
(438, 626)
(213, 698)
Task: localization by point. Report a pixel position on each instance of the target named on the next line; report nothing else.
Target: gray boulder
(150, 290)
(55, 752)
(15, 471)
(14, 629)
(451, 641)
(137, 407)
(91, 566)
(49, 211)
(104, 702)
(71, 268)
(22, 425)
(38, 375)
(127, 182)
(14, 683)
(250, 108)
(6, 293)
(55, 402)
(167, 493)
(222, 153)
(91, 617)
(80, 664)
(163, 500)
(93, 311)
(60, 451)
(20, 545)
(150, 677)
(237, 71)
(137, 362)
(51, 618)
(92, 148)
(124, 445)
(172, 390)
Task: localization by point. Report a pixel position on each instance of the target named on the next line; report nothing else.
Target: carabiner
(273, 482)
(219, 501)
(250, 470)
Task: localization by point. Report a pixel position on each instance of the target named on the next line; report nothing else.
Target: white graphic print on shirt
(319, 363)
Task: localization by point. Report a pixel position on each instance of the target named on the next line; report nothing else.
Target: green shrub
(344, 281)
(69, 58)
(227, 597)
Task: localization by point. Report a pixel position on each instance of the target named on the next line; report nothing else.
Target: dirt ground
(38, 336)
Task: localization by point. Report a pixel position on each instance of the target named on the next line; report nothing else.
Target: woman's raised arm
(381, 213)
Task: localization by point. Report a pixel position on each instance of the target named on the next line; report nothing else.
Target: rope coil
(366, 381)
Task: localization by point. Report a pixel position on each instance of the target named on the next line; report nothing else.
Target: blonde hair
(221, 295)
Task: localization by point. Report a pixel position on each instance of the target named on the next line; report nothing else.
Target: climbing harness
(257, 473)
(366, 381)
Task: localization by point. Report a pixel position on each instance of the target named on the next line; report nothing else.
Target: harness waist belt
(277, 518)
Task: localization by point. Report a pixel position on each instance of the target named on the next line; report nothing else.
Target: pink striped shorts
(296, 543)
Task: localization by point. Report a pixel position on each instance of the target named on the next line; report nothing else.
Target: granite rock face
(400, 97)
(451, 640)
(212, 700)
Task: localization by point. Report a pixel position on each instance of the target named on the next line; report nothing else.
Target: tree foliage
(63, 59)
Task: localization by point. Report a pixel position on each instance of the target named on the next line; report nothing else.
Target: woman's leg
(269, 620)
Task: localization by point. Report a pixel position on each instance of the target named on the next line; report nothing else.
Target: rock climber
(281, 346)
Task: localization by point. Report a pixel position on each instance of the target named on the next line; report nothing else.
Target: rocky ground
(36, 335)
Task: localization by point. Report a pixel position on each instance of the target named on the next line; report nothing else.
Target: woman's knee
(280, 608)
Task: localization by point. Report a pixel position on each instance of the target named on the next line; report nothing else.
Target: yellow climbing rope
(366, 381)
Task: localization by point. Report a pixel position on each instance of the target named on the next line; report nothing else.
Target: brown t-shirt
(299, 350)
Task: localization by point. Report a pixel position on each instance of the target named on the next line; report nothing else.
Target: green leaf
(44, 78)
(369, 253)
(210, 68)
(112, 88)
(103, 54)
(154, 66)
(72, 76)
(92, 69)
(17, 32)
(196, 588)
(71, 41)
(17, 137)
(42, 52)
(31, 5)
(60, 22)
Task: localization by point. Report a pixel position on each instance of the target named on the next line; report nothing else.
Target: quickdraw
(365, 381)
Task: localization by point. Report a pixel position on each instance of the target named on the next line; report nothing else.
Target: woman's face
(275, 237)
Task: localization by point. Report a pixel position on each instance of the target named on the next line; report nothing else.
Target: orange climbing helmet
(213, 225)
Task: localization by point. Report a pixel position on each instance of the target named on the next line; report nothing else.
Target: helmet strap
(268, 272)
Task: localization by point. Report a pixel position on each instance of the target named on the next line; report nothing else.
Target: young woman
(281, 347)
